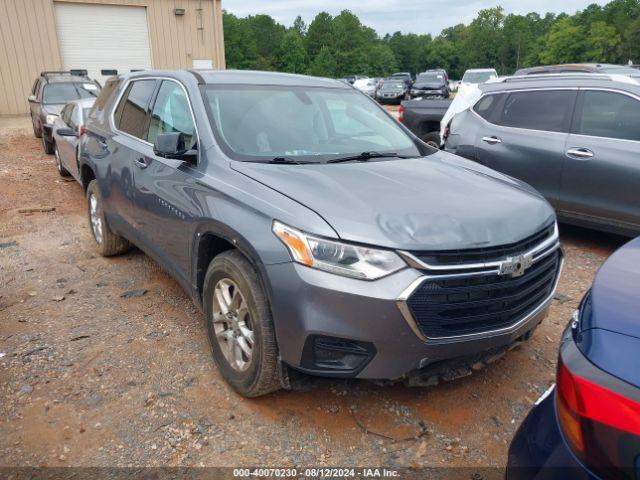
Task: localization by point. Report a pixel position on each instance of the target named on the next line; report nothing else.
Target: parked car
(406, 77)
(67, 130)
(351, 79)
(50, 92)
(314, 230)
(575, 138)
(475, 76)
(578, 68)
(454, 85)
(423, 118)
(431, 84)
(367, 86)
(392, 91)
(587, 426)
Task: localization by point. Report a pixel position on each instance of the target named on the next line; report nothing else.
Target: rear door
(164, 188)
(525, 137)
(601, 174)
(130, 117)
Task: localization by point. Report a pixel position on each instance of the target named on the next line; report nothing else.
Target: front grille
(483, 255)
(463, 305)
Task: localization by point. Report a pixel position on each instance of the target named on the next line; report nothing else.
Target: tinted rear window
(539, 110)
(105, 95)
(486, 106)
(131, 114)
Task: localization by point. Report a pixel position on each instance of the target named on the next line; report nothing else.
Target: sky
(408, 16)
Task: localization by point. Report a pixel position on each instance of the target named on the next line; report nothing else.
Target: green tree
(292, 56)
(601, 43)
(324, 65)
(564, 44)
(319, 34)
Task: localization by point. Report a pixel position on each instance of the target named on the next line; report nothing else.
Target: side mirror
(66, 132)
(32, 99)
(173, 145)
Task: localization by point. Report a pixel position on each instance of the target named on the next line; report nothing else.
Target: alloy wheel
(232, 324)
(94, 217)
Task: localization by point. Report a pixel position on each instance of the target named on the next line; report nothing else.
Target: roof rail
(612, 77)
(76, 72)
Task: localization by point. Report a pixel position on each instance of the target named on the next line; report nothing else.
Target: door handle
(581, 153)
(491, 140)
(141, 162)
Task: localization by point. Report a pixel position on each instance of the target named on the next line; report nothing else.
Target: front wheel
(61, 170)
(239, 325)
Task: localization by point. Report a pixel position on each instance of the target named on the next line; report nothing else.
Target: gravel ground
(89, 377)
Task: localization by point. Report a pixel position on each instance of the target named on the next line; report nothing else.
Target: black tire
(109, 244)
(432, 139)
(61, 170)
(261, 375)
(36, 131)
(47, 146)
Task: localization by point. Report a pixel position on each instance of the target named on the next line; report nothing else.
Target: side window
(538, 110)
(36, 84)
(73, 117)
(486, 106)
(609, 114)
(171, 113)
(64, 114)
(131, 114)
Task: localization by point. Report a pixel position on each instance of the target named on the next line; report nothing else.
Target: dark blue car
(588, 426)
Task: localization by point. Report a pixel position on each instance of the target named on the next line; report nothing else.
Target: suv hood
(53, 108)
(435, 202)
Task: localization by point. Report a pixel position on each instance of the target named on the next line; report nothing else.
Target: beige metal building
(124, 35)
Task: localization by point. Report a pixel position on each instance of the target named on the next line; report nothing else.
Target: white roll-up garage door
(99, 37)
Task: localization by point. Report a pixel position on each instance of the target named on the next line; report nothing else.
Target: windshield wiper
(365, 156)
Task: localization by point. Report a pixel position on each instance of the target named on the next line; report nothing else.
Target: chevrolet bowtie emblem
(515, 266)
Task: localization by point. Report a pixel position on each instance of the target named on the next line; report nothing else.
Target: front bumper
(307, 302)
(538, 450)
(436, 94)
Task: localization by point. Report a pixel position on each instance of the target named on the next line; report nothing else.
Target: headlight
(51, 118)
(337, 257)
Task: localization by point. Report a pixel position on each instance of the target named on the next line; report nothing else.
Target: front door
(165, 205)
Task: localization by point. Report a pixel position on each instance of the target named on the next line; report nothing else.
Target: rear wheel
(47, 145)
(36, 131)
(61, 170)
(109, 244)
(239, 325)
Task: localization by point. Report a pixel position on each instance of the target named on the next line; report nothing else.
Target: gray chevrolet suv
(573, 137)
(316, 233)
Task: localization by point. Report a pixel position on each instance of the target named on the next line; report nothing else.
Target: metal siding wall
(29, 41)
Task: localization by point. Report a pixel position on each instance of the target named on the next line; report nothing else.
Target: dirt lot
(88, 377)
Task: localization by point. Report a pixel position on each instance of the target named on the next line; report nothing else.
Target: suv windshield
(66, 92)
(478, 77)
(307, 124)
(430, 78)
